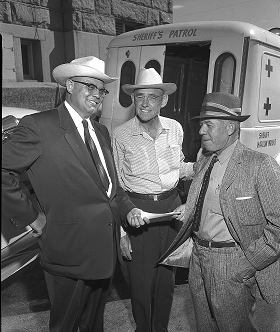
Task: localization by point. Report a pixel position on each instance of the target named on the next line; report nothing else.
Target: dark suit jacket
(250, 203)
(82, 222)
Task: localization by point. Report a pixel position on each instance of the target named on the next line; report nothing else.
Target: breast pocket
(249, 209)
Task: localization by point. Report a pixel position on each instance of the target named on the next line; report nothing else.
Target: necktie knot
(85, 123)
(213, 161)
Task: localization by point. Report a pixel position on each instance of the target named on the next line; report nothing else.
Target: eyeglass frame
(102, 92)
(151, 98)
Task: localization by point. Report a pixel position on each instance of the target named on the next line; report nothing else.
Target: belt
(213, 244)
(153, 197)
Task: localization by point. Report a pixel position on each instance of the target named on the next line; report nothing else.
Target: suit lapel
(233, 167)
(78, 146)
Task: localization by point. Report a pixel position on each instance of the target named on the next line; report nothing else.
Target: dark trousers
(76, 303)
(151, 286)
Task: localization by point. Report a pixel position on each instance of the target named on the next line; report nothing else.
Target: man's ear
(132, 97)
(231, 128)
(69, 86)
(164, 100)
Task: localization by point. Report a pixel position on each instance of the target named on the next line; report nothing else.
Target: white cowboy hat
(89, 66)
(149, 79)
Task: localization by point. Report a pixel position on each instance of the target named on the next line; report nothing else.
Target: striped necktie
(204, 186)
(95, 156)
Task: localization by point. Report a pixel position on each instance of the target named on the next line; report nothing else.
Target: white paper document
(150, 215)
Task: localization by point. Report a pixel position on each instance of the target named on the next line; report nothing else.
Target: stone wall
(64, 29)
(96, 16)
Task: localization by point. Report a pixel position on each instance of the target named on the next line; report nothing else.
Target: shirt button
(109, 223)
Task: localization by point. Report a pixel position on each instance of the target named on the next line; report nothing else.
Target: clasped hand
(135, 219)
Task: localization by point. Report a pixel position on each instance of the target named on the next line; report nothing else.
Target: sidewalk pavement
(118, 316)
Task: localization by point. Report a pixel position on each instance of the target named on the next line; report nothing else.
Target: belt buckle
(155, 198)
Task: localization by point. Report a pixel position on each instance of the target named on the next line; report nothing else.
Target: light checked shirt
(145, 165)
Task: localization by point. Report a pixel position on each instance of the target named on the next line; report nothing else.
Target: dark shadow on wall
(61, 24)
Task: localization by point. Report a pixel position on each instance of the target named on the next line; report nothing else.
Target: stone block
(165, 18)
(99, 24)
(77, 21)
(5, 12)
(87, 5)
(145, 3)
(129, 11)
(31, 2)
(161, 5)
(22, 14)
(38, 98)
(103, 7)
(153, 17)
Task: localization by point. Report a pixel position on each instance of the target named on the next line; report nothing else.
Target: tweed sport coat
(250, 203)
(78, 240)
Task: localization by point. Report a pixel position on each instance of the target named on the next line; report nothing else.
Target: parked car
(18, 247)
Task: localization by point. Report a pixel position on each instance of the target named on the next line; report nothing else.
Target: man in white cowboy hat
(234, 221)
(149, 160)
(68, 158)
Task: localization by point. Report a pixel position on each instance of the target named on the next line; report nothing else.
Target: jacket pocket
(61, 244)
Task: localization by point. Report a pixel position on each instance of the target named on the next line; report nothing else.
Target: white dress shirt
(79, 125)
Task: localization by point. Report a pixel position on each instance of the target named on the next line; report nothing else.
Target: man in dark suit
(235, 227)
(81, 203)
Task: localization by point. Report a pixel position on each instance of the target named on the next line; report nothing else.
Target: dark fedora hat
(221, 105)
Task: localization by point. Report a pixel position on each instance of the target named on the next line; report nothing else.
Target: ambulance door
(152, 57)
(118, 107)
(232, 45)
(122, 62)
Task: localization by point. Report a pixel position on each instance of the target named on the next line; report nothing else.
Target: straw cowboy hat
(89, 66)
(220, 105)
(149, 79)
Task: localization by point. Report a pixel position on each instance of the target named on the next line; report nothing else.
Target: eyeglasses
(151, 98)
(92, 89)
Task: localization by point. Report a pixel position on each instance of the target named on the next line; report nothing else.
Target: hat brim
(239, 118)
(168, 88)
(65, 71)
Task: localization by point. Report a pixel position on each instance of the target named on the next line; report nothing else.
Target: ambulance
(202, 57)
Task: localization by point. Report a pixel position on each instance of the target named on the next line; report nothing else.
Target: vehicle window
(153, 64)
(127, 77)
(224, 73)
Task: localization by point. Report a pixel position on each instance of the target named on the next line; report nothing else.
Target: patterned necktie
(204, 186)
(95, 156)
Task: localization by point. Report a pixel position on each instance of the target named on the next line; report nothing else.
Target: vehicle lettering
(182, 33)
(263, 144)
(264, 134)
(148, 36)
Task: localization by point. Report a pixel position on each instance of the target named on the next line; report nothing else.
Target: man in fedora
(149, 160)
(233, 215)
(68, 158)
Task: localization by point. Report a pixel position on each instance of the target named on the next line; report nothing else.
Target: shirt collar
(138, 130)
(76, 116)
(226, 153)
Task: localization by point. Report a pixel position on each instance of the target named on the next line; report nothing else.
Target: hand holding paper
(137, 217)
